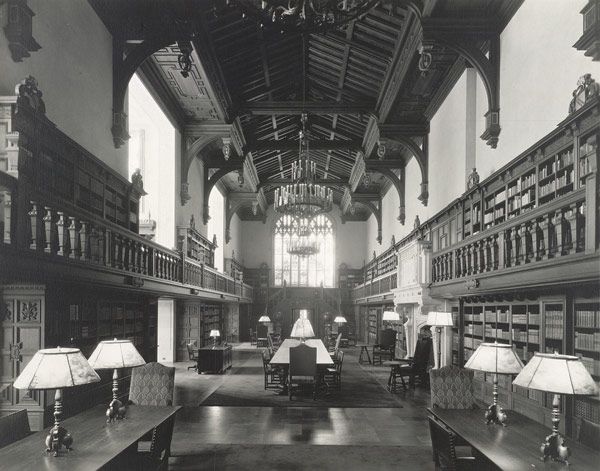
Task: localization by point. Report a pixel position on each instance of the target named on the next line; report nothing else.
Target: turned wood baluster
(83, 240)
(73, 238)
(436, 262)
(558, 219)
(485, 243)
(33, 218)
(544, 242)
(525, 255)
(101, 249)
(60, 228)
(108, 248)
(458, 265)
(535, 249)
(514, 254)
(134, 254)
(7, 198)
(123, 253)
(93, 244)
(572, 219)
(116, 250)
(143, 259)
(472, 260)
(47, 219)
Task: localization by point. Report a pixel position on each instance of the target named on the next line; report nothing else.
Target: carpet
(244, 386)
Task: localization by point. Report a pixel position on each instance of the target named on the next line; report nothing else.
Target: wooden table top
(516, 446)
(282, 355)
(95, 443)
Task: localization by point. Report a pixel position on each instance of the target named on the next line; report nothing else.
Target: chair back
(588, 433)
(337, 341)
(340, 361)
(262, 331)
(422, 354)
(13, 427)
(152, 385)
(386, 339)
(303, 360)
(442, 442)
(270, 341)
(190, 348)
(452, 388)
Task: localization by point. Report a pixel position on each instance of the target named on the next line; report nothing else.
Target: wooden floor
(298, 438)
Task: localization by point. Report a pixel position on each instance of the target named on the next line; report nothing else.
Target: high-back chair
(273, 373)
(333, 375)
(337, 344)
(385, 346)
(588, 433)
(303, 368)
(452, 388)
(13, 427)
(192, 355)
(152, 385)
(416, 369)
(444, 453)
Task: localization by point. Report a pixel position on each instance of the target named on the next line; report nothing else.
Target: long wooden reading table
(515, 447)
(96, 444)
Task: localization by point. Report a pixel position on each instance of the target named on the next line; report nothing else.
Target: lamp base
(116, 411)
(57, 438)
(495, 415)
(555, 449)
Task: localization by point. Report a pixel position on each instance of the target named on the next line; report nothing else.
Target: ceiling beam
(290, 144)
(298, 107)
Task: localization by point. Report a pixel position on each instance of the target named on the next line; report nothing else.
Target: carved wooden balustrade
(195, 246)
(550, 231)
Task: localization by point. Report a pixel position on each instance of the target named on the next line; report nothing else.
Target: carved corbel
(18, 29)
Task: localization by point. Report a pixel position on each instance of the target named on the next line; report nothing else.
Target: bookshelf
(471, 218)
(556, 176)
(373, 325)
(588, 148)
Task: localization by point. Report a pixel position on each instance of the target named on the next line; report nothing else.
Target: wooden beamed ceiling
(344, 80)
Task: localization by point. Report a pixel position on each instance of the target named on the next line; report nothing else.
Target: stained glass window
(304, 271)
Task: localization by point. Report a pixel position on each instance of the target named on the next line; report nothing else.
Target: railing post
(7, 199)
(545, 242)
(501, 250)
(534, 241)
(93, 244)
(47, 219)
(524, 253)
(73, 238)
(559, 232)
(83, 240)
(33, 217)
(60, 228)
(571, 217)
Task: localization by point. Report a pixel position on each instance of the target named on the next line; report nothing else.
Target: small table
(363, 348)
(214, 359)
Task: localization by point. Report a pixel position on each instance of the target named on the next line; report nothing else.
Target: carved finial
(425, 59)
(226, 147)
(137, 181)
(192, 222)
(587, 88)
(417, 223)
(184, 193)
(214, 241)
(393, 242)
(30, 94)
(473, 179)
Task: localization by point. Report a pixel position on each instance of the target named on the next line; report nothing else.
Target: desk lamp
(558, 374)
(496, 358)
(57, 368)
(214, 333)
(302, 329)
(113, 355)
(439, 320)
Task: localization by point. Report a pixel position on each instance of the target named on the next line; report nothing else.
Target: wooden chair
(273, 374)
(153, 385)
(416, 369)
(333, 351)
(385, 346)
(302, 368)
(333, 375)
(444, 453)
(192, 355)
(452, 388)
(252, 337)
(13, 427)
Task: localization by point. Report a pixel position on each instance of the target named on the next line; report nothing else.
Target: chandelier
(303, 198)
(305, 244)
(304, 15)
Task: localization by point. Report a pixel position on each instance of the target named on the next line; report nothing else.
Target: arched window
(304, 271)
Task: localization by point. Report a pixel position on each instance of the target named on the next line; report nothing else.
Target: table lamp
(214, 333)
(340, 320)
(264, 319)
(497, 358)
(558, 374)
(438, 320)
(57, 368)
(302, 329)
(113, 355)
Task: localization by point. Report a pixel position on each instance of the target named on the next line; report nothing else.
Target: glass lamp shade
(340, 320)
(559, 374)
(215, 333)
(391, 316)
(264, 318)
(302, 329)
(439, 319)
(56, 368)
(497, 358)
(112, 354)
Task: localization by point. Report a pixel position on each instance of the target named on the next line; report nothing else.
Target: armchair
(193, 355)
(444, 451)
(385, 346)
(273, 374)
(452, 388)
(416, 368)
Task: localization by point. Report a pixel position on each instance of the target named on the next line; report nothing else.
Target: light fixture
(57, 368)
(496, 358)
(438, 320)
(302, 328)
(308, 16)
(558, 374)
(390, 316)
(214, 333)
(303, 198)
(264, 319)
(113, 355)
(340, 320)
(184, 59)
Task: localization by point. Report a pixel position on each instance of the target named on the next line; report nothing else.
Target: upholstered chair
(152, 385)
(451, 388)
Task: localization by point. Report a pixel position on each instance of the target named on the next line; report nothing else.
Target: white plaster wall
(235, 244)
(194, 205)
(74, 72)
(539, 70)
